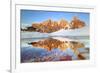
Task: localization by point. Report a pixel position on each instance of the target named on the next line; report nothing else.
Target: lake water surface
(54, 49)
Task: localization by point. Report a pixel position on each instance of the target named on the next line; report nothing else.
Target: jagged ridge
(49, 25)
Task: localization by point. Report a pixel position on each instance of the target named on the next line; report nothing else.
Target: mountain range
(49, 26)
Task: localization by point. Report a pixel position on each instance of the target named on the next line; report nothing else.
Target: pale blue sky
(30, 16)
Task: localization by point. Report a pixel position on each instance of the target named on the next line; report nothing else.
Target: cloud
(25, 25)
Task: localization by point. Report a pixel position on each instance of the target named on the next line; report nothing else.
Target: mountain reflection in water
(51, 49)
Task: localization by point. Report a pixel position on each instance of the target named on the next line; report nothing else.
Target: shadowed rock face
(51, 43)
